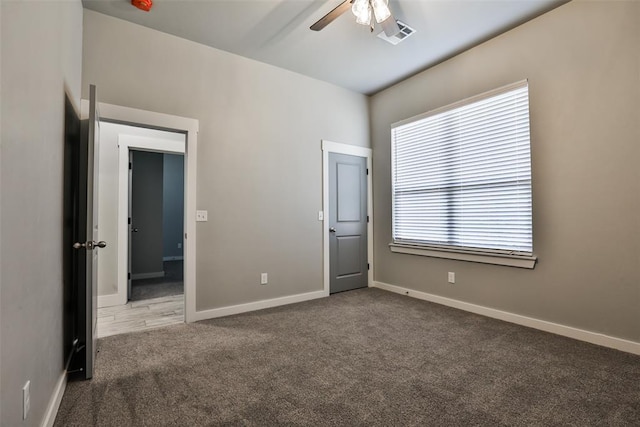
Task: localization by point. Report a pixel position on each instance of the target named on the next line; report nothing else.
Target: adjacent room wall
(583, 65)
(172, 206)
(41, 59)
(259, 151)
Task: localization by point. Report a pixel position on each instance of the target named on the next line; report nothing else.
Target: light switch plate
(320, 216)
(201, 216)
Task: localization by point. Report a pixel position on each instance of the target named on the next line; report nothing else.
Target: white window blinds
(462, 175)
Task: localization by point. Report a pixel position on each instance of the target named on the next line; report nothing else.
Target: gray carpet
(171, 284)
(365, 357)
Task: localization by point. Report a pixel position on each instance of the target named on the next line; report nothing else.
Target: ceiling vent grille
(405, 31)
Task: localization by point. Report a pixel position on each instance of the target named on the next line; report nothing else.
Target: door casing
(354, 150)
(142, 118)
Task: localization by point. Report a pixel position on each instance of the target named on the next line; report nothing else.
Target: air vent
(405, 31)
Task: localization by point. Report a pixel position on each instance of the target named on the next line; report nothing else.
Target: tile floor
(140, 315)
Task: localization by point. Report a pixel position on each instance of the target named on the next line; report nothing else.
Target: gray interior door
(146, 214)
(348, 265)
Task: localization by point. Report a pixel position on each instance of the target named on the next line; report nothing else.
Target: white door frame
(353, 150)
(189, 127)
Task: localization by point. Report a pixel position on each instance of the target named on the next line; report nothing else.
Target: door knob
(332, 230)
(134, 230)
(90, 244)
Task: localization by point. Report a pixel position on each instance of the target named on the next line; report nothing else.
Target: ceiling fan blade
(329, 17)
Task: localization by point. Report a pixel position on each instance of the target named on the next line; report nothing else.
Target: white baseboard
(54, 402)
(258, 305)
(173, 258)
(151, 275)
(543, 325)
(111, 300)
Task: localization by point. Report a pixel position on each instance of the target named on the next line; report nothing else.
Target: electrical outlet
(452, 277)
(264, 279)
(26, 399)
(201, 216)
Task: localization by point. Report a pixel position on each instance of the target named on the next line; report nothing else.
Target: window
(462, 176)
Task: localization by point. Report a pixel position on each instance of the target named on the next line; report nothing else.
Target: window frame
(489, 256)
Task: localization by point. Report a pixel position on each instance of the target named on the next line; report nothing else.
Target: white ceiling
(344, 53)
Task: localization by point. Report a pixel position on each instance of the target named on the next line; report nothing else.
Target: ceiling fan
(364, 11)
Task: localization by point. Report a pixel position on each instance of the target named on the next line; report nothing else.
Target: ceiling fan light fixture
(362, 11)
(390, 27)
(381, 10)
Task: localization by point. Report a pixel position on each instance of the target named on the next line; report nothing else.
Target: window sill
(520, 261)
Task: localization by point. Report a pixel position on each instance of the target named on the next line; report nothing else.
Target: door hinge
(368, 266)
(367, 218)
(367, 171)
(128, 276)
(129, 220)
(130, 165)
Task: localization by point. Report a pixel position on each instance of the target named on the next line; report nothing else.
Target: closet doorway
(156, 225)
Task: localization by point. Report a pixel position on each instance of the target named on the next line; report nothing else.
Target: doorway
(157, 221)
(184, 129)
(138, 256)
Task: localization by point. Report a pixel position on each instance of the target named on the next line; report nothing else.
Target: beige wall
(259, 158)
(41, 57)
(583, 65)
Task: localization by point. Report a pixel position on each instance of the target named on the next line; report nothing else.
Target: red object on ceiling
(143, 4)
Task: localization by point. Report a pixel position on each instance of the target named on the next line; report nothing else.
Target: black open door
(86, 244)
